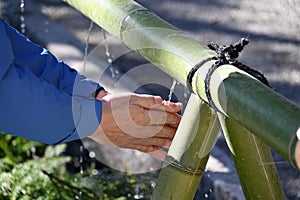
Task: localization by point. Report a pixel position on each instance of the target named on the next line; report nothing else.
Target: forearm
(32, 108)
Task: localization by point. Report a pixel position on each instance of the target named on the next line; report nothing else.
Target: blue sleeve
(37, 100)
(44, 65)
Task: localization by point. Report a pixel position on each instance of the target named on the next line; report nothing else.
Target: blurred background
(74, 170)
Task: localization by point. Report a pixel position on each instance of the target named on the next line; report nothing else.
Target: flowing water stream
(172, 89)
(87, 41)
(22, 17)
(23, 31)
(109, 57)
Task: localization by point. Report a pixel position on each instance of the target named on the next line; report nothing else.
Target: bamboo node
(127, 17)
(187, 169)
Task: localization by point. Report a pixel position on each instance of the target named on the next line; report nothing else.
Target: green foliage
(24, 176)
(14, 150)
(27, 181)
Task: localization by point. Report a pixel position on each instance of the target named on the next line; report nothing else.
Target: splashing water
(87, 41)
(81, 158)
(79, 196)
(22, 17)
(137, 194)
(172, 89)
(33, 150)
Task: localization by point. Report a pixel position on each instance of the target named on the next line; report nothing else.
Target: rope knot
(227, 54)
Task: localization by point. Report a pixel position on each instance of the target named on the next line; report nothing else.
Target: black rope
(229, 54)
(193, 71)
(225, 55)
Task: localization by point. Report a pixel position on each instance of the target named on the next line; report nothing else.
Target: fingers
(157, 117)
(141, 122)
(146, 101)
(152, 141)
(155, 102)
(172, 107)
(159, 154)
(167, 132)
(153, 151)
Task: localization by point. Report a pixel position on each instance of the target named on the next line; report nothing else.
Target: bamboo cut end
(297, 154)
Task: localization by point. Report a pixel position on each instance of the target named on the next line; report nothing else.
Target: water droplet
(81, 148)
(22, 4)
(153, 184)
(206, 195)
(33, 150)
(95, 172)
(57, 152)
(92, 154)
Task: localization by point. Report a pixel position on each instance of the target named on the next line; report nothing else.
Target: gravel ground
(271, 25)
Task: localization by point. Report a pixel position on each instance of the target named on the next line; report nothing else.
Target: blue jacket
(41, 98)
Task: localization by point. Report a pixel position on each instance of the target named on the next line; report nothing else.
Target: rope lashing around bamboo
(226, 54)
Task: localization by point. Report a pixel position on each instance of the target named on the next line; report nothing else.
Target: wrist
(100, 94)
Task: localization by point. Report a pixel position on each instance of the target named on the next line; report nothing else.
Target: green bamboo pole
(253, 161)
(189, 152)
(266, 114)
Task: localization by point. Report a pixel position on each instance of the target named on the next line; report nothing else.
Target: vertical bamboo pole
(188, 154)
(253, 161)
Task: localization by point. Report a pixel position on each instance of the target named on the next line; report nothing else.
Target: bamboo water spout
(266, 114)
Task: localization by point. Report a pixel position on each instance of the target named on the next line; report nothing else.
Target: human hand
(141, 122)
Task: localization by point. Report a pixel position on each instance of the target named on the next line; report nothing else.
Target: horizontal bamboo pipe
(258, 108)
